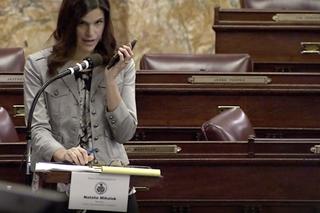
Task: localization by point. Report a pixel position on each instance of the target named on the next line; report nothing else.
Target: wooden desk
(256, 176)
(170, 100)
(274, 45)
(264, 176)
(170, 107)
(12, 162)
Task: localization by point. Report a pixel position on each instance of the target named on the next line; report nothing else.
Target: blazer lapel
(97, 79)
(70, 82)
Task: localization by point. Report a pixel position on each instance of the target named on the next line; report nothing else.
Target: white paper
(96, 191)
(47, 167)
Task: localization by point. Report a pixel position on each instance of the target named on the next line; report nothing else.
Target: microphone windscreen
(96, 59)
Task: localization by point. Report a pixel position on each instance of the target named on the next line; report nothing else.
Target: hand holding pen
(79, 156)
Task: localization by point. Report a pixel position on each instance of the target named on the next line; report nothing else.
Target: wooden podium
(88, 189)
(50, 179)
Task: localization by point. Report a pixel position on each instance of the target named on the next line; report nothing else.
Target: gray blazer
(56, 117)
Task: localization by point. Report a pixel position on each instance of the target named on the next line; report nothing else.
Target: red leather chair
(8, 132)
(12, 59)
(229, 125)
(191, 62)
(281, 4)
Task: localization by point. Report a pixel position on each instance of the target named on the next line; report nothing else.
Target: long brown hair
(65, 36)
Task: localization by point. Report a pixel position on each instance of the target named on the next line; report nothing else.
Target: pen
(90, 151)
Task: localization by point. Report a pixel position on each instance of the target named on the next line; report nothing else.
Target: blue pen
(94, 150)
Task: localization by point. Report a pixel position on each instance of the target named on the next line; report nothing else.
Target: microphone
(90, 62)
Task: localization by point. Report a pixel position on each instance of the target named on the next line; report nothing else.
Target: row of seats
(220, 127)
(229, 125)
(13, 60)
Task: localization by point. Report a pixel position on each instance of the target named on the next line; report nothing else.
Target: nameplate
(7, 78)
(225, 79)
(18, 110)
(297, 18)
(315, 149)
(310, 48)
(152, 149)
(96, 191)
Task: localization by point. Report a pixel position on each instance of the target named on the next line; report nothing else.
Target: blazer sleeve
(43, 142)
(123, 120)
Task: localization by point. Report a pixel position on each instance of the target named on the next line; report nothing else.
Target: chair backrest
(191, 62)
(8, 132)
(282, 4)
(229, 125)
(12, 59)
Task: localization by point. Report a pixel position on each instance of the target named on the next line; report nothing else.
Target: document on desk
(47, 167)
(138, 171)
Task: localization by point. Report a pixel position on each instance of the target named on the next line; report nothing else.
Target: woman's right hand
(75, 155)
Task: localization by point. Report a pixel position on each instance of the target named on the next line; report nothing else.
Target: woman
(95, 110)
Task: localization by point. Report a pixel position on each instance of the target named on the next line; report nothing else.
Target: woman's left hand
(125, 53)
